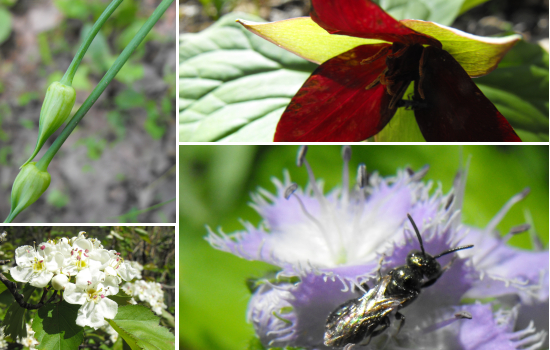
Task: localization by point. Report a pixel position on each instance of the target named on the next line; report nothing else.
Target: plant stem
(70, 72)
(102, 85)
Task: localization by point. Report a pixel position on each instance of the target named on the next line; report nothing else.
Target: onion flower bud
(28, 186)
(57, 107)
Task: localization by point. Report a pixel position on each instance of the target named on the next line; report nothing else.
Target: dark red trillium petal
(455, 109)
(333, 104)
(364, 19)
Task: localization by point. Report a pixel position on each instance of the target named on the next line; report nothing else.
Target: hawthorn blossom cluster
(81, 268)
(328, 246)
(148, 292)
(29, 341)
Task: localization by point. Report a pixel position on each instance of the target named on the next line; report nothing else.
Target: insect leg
(380, 267)
(349, 346)
(386, 324)
(399, 316)
(365, 286)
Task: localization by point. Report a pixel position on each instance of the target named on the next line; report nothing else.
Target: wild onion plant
(33, 179)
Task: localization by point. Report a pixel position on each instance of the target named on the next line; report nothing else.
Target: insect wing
(356, 319)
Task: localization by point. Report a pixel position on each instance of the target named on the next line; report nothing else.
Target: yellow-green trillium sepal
(28, 186)
(56, 109)
(476, 54)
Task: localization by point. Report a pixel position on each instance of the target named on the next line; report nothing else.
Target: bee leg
(380, 267)
(401, 317)
(386, 324)
(365, 286)
(349, 346)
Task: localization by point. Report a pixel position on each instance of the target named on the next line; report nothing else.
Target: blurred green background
(215, 183)
(121, 158)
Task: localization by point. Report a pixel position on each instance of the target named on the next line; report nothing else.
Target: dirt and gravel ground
(107, 167)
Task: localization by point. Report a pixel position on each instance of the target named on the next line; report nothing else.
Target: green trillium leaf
(234, 86)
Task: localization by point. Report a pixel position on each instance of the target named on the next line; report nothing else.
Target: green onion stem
(102, 85)
(70, 72)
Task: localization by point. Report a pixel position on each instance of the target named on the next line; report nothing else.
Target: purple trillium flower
(328, 246)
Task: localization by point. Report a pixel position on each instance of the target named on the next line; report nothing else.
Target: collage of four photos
(274, 174)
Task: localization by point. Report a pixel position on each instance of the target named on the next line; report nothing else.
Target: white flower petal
(107, 308)
(21, 274)
(40, 280)
(24, 256)
(74, 295)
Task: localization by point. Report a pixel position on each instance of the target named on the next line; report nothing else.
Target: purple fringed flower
(327, 246)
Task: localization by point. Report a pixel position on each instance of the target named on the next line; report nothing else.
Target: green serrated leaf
(3, 288)
(121, 298)
(15, 320)
(55, 327)
(139, 327)
(233, 83)
(6, 297)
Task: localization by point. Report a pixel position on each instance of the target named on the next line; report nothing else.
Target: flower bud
(57, 107)
(59, 282)
(28, 186)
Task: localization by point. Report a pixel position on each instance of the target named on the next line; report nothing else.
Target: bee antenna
(453, 250)
(417, 234)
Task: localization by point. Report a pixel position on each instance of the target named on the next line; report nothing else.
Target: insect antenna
(453, 250)
(422, 245)
(417, 234)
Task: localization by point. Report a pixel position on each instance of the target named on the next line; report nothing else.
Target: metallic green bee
(358, 320)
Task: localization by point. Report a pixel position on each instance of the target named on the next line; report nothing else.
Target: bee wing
(356, 319)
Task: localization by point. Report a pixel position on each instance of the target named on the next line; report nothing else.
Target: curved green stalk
(60, 97)
(70, 72)
(102, 85)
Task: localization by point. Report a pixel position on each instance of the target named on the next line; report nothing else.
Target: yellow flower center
(38, 265)
(80, 262)
(94, 295)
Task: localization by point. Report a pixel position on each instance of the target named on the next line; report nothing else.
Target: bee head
(424, 263)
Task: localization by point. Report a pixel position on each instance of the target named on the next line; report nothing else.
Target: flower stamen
(458, 316)
(504, 210)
